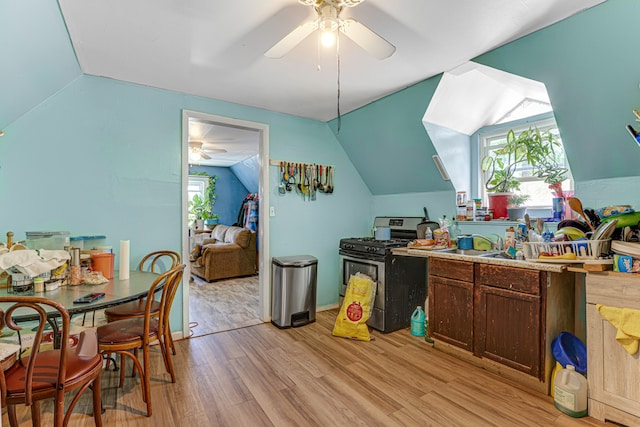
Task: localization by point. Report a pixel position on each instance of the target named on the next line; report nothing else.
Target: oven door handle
(362, 256)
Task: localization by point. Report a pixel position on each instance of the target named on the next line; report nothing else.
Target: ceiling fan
(328, 22)
(197, 152)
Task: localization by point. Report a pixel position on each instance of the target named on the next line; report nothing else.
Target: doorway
(262, 131)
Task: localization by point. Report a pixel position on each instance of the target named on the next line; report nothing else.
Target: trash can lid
(295, 261)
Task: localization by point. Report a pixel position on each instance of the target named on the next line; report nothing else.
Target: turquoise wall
(229, 192)
(104, 157)
(590, 66)
(388, 144)
(37, 57)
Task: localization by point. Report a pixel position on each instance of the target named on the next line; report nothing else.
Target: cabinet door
(507, 328)
(614, 374)
(451, 311)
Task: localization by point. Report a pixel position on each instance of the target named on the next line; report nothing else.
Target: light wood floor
(264, 376)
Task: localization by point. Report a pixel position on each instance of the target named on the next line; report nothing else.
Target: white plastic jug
(570, 392)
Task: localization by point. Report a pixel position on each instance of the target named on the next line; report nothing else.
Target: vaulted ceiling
(216, 49)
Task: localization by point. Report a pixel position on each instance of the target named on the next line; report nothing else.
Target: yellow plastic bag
(356, 309)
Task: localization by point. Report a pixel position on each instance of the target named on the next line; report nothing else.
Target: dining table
(116, 291)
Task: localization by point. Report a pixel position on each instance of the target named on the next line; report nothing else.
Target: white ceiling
(473, 96)
(238, 144)
(215, 48)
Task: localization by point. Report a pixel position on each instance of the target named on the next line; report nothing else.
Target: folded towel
(627, 322)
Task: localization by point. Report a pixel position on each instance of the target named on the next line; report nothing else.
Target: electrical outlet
(272, 211)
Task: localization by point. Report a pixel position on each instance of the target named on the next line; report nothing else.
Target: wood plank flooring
(264, 376)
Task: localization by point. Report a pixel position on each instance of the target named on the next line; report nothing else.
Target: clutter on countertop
(49, 259)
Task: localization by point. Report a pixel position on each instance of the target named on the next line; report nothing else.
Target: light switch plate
(272, 211)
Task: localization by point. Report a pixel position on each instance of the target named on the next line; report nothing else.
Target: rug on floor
(223, 305)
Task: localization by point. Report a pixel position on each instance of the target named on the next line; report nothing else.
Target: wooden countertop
(542, 266)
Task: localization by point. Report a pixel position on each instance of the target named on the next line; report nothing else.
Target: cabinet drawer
(457, 270)
(617, 291)
(515, 279)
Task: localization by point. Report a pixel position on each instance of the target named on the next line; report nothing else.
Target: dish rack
(586, 250)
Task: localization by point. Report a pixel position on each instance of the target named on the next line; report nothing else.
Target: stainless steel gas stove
(401, 281)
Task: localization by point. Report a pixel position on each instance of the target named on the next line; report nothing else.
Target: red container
(498, 202)
(103, 262)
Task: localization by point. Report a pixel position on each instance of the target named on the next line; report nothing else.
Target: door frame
(264, 311)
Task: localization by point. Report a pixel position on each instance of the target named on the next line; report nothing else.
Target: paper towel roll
(124, 259)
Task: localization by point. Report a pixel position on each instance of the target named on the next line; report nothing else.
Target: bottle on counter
(471, 210)
(461, 198)
(75, 269)
(428, 234)
(509, 238)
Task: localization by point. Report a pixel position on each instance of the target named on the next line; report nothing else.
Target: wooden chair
(155, 260)
(52, 373)
(126, 336)
(151, 262)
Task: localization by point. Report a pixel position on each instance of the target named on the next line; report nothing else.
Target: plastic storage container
(293, 298)
(52, 240)
(87, 242)
(103, 262)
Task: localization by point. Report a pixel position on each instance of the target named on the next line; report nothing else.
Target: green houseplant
(514, 206)
(540, 150)
(201, 208)
(517, 200)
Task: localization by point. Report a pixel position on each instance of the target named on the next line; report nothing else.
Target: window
(536, 188)
(197, 185)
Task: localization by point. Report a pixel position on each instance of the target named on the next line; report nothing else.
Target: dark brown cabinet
(498, 316)
(451, 302)
(508, 320)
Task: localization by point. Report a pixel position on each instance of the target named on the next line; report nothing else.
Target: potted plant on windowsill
(530, 147)
(200, 208)
(514, 207)
(501, 167)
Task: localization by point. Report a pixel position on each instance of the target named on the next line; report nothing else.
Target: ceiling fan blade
(364, 37)
(291, 40)
(215, 150)
(204, 155)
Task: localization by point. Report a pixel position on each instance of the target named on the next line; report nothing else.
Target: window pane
(536, 188)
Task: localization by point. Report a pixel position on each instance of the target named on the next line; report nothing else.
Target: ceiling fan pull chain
(338, 60)
(318, 50)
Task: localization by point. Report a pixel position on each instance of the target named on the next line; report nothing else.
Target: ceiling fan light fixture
(327, 38)
(194, 156)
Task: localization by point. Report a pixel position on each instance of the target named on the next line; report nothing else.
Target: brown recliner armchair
(231, 252)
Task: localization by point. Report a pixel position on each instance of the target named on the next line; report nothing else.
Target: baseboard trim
(328, 307)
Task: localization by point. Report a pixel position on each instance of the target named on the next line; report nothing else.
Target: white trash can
(293, 294)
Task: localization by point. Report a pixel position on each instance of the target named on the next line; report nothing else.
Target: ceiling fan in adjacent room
(328, 22)
(197, 152)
